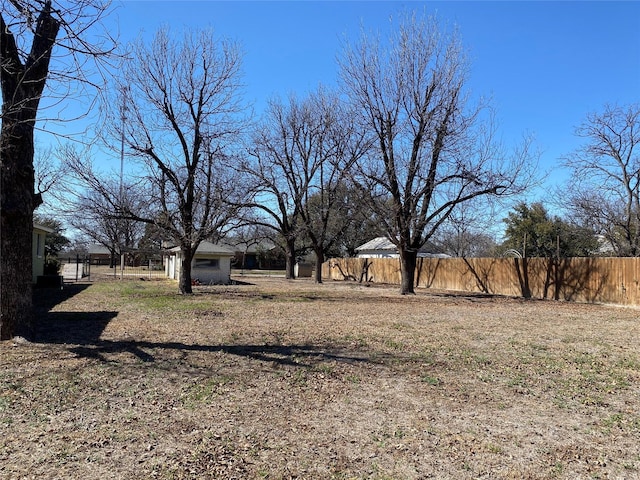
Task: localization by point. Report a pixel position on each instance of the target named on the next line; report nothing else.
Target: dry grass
(285, 379)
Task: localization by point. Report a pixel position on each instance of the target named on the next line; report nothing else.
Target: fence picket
(602, 280)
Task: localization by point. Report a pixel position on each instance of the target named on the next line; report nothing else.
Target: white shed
(211, 264)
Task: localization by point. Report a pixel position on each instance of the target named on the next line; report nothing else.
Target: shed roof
(210, 248)
(39, 226)
(97, 249)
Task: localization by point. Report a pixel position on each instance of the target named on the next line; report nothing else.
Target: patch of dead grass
(281, 379)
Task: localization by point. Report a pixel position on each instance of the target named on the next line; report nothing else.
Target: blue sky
(545, 64)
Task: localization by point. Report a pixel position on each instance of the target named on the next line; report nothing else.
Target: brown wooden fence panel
(606, 280)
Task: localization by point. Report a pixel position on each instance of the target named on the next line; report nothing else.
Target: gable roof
(42, 228)
(378, 243)
(98, 249)
(384, 245)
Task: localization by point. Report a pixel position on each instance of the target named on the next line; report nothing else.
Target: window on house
(210, 263)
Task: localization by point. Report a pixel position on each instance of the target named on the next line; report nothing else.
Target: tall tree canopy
(432, 151)
(299, 158)
(101, 198)
(605, 189)
(183, 116)
(532, 232)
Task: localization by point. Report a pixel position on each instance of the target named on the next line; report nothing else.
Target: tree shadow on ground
(290, 355)
(82, 331)
(66, 327)
(72, 327)
(465, 295)
(44, 299)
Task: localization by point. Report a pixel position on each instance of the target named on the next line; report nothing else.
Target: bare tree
(354, 222)
(337, 221)
(277, 176)
(606, 176)
(466, 232)
(432, 150)
(48, 172)
(182, 116)
(299, 158)
(339, 144)
(42, 44)
(92, 202)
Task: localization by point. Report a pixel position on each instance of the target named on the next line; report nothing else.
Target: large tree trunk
(407, 271)
(16, 231)
(290, 259)
(184, 283)
(319, 261)
(22, 87)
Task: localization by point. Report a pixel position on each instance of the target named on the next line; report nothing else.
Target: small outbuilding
(100, 255)
(211, 264)
(37, 250)
(382, 247)
(303, 270)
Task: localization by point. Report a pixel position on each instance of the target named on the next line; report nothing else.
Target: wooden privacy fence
(605, 280)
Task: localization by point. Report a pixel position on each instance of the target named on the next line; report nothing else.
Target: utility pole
(120, 232)
(123, 117)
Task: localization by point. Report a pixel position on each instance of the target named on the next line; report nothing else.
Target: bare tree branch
(432, 152)
(606, 175)
(183, 115)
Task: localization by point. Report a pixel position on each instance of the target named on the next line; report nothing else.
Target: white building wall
(207, 269)
(37, 247)
(211, 269)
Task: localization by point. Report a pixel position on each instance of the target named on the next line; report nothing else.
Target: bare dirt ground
(285, 379)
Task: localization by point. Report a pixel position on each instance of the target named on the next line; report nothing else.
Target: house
(252, 256)
(605, 247)
(99, 255)
(382, 247)
(379, 247)
(37, 248)
(246, 255)
(211, 264)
